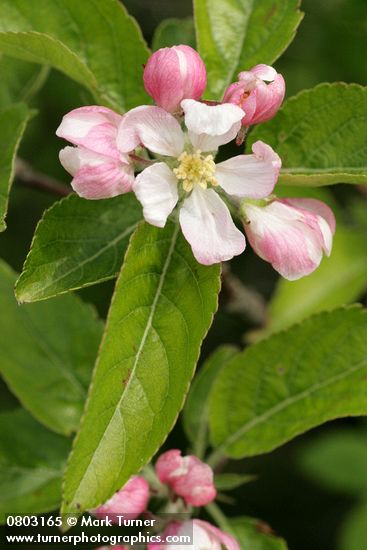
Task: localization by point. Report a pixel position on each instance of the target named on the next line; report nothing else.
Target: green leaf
(47, 354)
(354, 530)
(320, 135)
(95, 43)
(174, 31)
(161, 310)
(76, 244)
(195, 414)
(19, 80)
(340, 280)
(338, 460)
(32, 460)
(235, 35)
(254, 534)
(291, 382)
(229, 481)
(13, 121)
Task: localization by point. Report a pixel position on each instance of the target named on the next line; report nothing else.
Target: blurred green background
(309, 490)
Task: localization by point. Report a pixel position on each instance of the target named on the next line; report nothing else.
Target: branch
(28, 177)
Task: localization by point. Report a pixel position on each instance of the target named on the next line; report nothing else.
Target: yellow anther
(195, 169)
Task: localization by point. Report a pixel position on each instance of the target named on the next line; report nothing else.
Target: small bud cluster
(186, 479)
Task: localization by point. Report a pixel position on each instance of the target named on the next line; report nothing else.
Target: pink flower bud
(99, 170)
(129, 501)
(259, 100)
(187, 476)
(203, 535)
(174, 74)
(291, 234)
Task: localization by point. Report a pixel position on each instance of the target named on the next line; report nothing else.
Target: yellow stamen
(195, 169)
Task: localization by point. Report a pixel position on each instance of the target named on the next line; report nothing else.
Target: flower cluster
(187, 479)
(176, 142)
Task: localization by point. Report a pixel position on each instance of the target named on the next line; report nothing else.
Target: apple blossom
(131, 500)
(187, 476)
(259, 100)
(174, 74)
(203, 535)
(99, 170)
(188, 173)
(291, 234)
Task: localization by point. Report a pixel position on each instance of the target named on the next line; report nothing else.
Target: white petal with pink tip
(96, 176)
(207, 225)
(152, 127)
(253, 176)
(291, 238)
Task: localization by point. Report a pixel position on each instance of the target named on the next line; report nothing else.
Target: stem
(216, 459)
(25, 174)
(201, 440)
(141, 160)
(220, 519)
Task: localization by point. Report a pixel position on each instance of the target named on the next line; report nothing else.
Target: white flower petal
(214, 120)
(153, 127)
(156, 189)
(252, 176)
(207, 225)
(206, 143)
(265, 72)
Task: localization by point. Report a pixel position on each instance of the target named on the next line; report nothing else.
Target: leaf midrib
(287, 402)
(138, 353)
(41, 294)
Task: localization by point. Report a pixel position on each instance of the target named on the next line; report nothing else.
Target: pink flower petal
(253, 176)
(167, 463)
(152, 127)
(131, 500)
(268, 99)
(173, 74)
(202, 534)
(315, 206)
(260, 101)
(96, 176)
(228, 541)
(171, 530)
(207, 225)
(93, 127)
(156, 189)
(187, 476)
(292, 239)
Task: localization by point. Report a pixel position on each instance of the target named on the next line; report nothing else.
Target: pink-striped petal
(252, 176)
(188, 477)
(173, 74)
(207, 225)
(152, 127)
(92, 127)
(131, 500)
(96, 176)
(291, 238)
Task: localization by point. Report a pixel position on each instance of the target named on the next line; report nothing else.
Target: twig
(218, 516)
(29, 177)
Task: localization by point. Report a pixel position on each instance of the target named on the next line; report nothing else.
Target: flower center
(195, 169)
